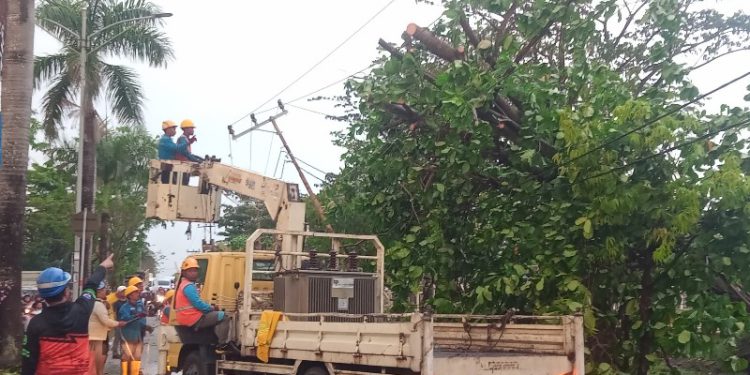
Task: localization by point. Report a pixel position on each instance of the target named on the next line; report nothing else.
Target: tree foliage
(123, 156)
(561, 162)
(141, 40)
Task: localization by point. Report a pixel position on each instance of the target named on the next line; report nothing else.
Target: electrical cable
(319, 61)
(312, 111)
(268, 157)
(650, 122)
(670, 149)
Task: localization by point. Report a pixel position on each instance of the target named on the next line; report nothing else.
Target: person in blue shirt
(169, 150)
(134, 315)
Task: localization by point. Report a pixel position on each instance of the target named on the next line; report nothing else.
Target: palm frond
(142, 43)
(64, 12)
(124, 91)
(46, 67)
(55, 101)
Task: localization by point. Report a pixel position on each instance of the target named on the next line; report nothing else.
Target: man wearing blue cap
(57, 340)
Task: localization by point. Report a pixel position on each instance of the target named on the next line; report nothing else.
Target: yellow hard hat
(135, 280)
(187, 123)
(130, 290)
(188, 263)
(169, 294)
(168, 124)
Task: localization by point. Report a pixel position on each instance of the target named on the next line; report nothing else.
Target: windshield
(163, 282)
(262, 265)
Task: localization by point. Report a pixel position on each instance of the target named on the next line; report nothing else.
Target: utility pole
(272, 119)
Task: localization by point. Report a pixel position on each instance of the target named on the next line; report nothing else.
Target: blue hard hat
(52, 282)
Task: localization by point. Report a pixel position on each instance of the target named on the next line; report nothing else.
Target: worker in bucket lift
(168, 150)
(193, 312)
(186, 140)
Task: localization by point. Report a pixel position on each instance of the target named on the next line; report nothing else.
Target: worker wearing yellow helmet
(193, 312)
(186, 140)
(165, 306)
(133, 314)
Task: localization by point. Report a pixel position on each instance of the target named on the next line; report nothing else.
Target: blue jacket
(191, 293)
(168, 149)
(182, 141)
(131, 332)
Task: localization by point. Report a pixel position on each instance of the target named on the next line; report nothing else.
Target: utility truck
(330, 288)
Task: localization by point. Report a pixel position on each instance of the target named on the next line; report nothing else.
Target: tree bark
(646, 341)
(17, 78)
(88, 181)
(438, 47)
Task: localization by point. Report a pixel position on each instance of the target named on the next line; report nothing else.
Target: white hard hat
(121, 288)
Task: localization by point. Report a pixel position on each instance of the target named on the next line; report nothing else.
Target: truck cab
(220, 281)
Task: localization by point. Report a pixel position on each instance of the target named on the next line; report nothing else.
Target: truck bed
(429, 344)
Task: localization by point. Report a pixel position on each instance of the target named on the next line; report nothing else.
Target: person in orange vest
(193, 312)
(165, 306)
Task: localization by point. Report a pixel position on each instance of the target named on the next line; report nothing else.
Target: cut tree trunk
(17, 78)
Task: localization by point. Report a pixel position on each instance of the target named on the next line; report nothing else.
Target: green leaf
(410, 238)
(587, 231)
(684, 337)
(659, 325)
(540, 285)
(581, 220)
(573, 285)
(440, 187)
(727, 261)
(507, 41)
(569, 253)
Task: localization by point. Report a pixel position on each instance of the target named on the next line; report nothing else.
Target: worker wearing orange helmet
(193, 312)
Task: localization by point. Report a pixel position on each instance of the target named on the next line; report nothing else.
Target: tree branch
(471, 36)
(433, 44)
(631, 18)
(718, 57)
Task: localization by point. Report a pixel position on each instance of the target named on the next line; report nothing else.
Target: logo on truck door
(493, 366)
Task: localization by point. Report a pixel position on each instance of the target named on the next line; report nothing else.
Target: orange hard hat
(188, 263)
(169, 294)
(135, 280)
(130, 290)
(187, 123)
(168, 124)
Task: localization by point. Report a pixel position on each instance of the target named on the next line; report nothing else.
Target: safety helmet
(168, 124)
(52, 282)
(130, 290)
(102, 285)
(188, 263)
(135, 280)
(187, 123)
(121, 288)
(169, 294)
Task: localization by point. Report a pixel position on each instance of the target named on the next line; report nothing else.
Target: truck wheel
(193, 365)
(315, 370)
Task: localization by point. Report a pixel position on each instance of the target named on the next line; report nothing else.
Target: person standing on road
(114, 307)
(57, 340)
(134, 316)
(193, 312)
(99, 325)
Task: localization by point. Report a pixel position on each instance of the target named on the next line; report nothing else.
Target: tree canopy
(554, 157)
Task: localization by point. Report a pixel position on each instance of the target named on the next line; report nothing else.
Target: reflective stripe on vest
(185, 312)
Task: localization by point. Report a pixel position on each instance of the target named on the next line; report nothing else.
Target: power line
(650, 122)
(311, 110)
(311, 174)
(670, 149)
(268, 157)
(312, 166)
(320, 61)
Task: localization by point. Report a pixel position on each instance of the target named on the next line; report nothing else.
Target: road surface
(149, 360)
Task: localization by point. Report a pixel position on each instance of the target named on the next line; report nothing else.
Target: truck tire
(192, 365)
(314, 370)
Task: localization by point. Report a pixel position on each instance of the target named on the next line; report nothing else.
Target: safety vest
(165, 315)
(186, 314)
(180, 156)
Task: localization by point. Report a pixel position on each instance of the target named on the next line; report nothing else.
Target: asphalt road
(149, 360)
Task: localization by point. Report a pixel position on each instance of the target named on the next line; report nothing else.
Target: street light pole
(80, 253)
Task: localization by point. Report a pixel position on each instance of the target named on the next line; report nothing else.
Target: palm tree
(123, 28)
(17, 25)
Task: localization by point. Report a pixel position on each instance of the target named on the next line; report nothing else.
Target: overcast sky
(231, 56)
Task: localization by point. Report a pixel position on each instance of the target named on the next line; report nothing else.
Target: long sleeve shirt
(168, 149)
(191, 292)
(130, 312)
(100, 323)
(56, 340)
(183, 141)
